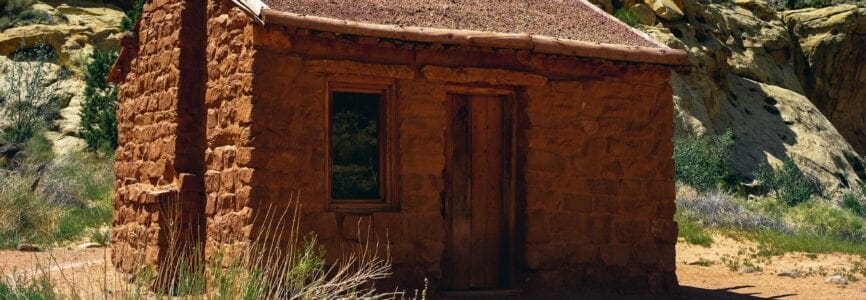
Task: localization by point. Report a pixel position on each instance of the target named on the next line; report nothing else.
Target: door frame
(509, 204)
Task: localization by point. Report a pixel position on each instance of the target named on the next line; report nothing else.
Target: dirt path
(723, 267)
(716, 272)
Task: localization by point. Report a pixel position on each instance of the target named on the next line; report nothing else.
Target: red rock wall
(147, 132)
(160, 138)
(595, 174)
(228, 104)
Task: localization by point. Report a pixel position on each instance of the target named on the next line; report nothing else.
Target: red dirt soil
(85, 270)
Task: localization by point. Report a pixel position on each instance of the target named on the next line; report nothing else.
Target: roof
(563, 27)
(567, 19)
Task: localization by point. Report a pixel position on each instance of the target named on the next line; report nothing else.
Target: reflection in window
(355, 169)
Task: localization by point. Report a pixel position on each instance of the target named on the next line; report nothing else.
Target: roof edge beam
(533, 43)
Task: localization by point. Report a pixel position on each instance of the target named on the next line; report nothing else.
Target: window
(359, 164)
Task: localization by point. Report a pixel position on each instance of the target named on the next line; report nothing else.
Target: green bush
(853, 203)
(128, 21)
(98, 119)
(692, 231)
(788, 182)
(701, 161)
(825, 218)
(58, 200)
(627, 15)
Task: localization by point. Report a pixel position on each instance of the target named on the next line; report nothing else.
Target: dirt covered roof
(566, 19)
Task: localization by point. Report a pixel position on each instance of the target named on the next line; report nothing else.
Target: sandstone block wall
(159, 162)
(228, 106)
(147, 134)
(595, 175)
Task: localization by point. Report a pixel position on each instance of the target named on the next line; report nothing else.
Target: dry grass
(257, 269)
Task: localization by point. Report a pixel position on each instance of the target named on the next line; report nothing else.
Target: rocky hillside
(788, 85)
(72, 29)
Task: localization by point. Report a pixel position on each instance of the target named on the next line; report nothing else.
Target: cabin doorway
(478, 203)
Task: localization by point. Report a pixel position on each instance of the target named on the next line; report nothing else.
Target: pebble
(836, 279)
(747, 269)
(28, 248)
(790, 273)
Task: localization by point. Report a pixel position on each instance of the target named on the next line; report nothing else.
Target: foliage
(23, 214)
(28, 101)
(18, 287)
(797, 4)
(826, 219)
(721, 210)
(627, 16)
(779, 243)
(21, 12)
(47, 200)
(98, 119)
(128, 22)
(701, 161)
(692, 231)
(788, 182)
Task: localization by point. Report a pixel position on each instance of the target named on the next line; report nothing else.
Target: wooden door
(478, 183)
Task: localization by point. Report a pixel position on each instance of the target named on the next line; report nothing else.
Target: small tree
(128, 21)
(26, 101)
(701, 161)
(98, 119)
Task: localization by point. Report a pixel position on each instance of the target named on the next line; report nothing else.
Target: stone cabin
(498, 146)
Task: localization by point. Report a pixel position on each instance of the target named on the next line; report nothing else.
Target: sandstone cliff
(73, 31)
(761, 74)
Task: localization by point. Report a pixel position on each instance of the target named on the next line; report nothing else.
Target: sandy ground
(706, 269)
(703, 272)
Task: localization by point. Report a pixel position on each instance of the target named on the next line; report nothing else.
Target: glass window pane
(355, 146)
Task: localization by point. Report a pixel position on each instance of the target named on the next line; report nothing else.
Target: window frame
(387, 136)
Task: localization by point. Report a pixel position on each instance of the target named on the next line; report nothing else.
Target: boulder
(666, 9)
(80, 30)
(836, 279)
(833, 65)
(645, 14)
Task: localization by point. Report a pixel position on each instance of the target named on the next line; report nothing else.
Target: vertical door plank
(477, 186)
(493, 237)
(460, 202)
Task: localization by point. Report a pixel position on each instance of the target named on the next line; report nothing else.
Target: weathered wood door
(478, 188)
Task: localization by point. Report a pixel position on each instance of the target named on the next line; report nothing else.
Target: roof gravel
(569, 19)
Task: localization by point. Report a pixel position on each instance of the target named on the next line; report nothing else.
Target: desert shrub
(721, 210)
(48, 200)
(825, 218)
(701, 161)
(24, 215)
(21, 12)
(98, 119)
(788, 182)
(20, 287)
(854, 203)
(128, 21)
(29, 105)
(692, 231)
(627, 16)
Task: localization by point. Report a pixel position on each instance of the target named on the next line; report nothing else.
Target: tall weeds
(279, 262)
